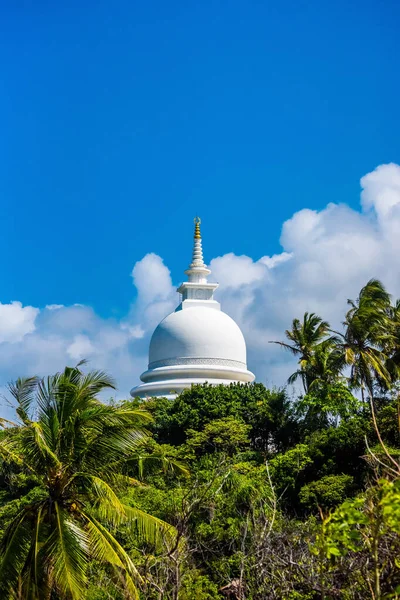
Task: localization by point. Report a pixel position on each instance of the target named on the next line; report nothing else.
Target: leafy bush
(327, 492)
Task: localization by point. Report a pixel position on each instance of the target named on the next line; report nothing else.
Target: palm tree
(305, 337)
(392, 349)
(367, 336)
(76, 447)
(326, 365)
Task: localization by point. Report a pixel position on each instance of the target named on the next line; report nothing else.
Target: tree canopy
(237, 492)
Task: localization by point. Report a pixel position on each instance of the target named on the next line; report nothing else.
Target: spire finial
(197, 234)
(197, 288)
(197, 269)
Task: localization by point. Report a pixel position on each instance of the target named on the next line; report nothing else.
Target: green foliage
(389, 420)
(268, 413)
(362, 524)
(286, 467)
(341, 530)
(390, 504)
(75, 450)
(198, 587)
(327, 492)
(227, 435)
(367, 336)
(328, 405)
(305, 337)
(268, 497)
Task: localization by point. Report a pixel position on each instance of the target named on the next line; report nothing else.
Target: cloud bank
(327, 256)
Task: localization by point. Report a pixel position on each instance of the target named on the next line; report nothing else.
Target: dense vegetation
(233, 492)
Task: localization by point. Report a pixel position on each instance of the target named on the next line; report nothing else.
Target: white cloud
(135, 331)
(277, 259)
(233, 271)
(16, 321)
(81, 347)
(152, 279)
(327, 256)
(381, 191)
(156, 296)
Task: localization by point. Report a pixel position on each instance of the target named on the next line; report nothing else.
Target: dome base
(170, 381)
(172, 388)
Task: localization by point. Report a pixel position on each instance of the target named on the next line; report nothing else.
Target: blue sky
(121, 121)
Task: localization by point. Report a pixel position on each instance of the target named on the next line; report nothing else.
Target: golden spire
(197, 234)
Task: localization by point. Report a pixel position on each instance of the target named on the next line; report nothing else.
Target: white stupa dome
(197, 343)
(185, 335)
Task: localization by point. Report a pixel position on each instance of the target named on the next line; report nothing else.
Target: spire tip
(197, 234)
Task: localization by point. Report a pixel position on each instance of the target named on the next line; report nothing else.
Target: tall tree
(75, 446)
(324, 367)
(392, 347)
(368, 333)
(304, 338)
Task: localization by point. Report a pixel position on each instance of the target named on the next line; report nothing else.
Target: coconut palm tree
(76, 447)
(325, 366)
(367, 336)
(304, 338)
(392, 349)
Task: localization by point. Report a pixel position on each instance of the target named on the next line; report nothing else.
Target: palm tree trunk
(364, 406)
(375, 556)
(381, 442)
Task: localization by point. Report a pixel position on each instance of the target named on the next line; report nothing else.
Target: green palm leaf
(309, 341)
(150, 529)
(37, 452)
(68, 554)
(105, 548)
(13, 551)
(77, 448)
(23, 391)
(106, 501)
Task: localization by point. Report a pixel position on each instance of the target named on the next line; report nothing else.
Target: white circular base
(172, 388)
(170, 381)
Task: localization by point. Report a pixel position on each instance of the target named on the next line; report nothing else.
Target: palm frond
(105, 548)
(168, 464)
(6, 423)
(32, 580)
(94, 382)
(10, 451)
(36, 547)
(77, 447)
(68, 554)
(45, 394)
(112, 510)
(149, 528)
(295, 376)
(36, 451)
(113, 445)
(23, 391)
(14, 548)
(106, 501)
(291, 349)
